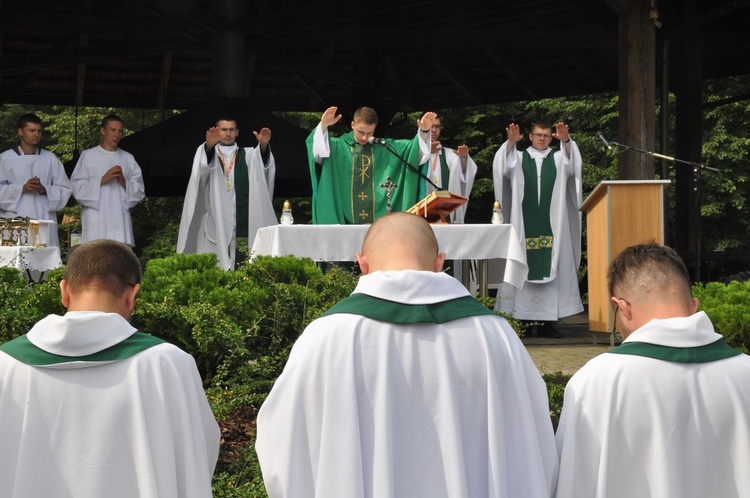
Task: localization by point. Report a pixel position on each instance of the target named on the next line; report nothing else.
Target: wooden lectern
(436, 206)
(618, 214)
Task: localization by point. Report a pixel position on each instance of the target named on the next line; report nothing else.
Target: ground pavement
(570, 352)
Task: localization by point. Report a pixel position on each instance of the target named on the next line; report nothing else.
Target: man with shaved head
(665, 413)
(409, 387)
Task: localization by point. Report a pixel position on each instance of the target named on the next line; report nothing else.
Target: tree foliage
(725, 210)
(69, 130)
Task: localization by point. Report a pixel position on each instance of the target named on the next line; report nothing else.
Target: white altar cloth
(340, 242)
(32, 261)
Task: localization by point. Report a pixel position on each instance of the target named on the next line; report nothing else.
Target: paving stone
(570, 352)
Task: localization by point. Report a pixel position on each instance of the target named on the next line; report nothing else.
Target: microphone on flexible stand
(389, 148)
(379, 141)
(606, 142)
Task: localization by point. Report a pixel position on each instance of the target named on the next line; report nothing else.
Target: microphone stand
(695, 165)
(697, 168)
(393, 151)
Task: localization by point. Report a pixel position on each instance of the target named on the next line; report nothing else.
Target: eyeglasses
(614, 318)
(541, 135)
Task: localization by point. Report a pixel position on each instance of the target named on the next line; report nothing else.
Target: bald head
(400, 241)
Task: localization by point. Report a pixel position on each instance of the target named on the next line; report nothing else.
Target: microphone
(606, 142)
(379, 141)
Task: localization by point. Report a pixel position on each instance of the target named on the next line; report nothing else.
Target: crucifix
(388, 186)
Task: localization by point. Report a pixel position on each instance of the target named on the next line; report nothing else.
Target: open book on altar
(436, 206)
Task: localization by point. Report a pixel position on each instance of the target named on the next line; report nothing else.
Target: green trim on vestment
(393, 312)
(24, 351)
(718, 350)
(242, 192)
(536, 215)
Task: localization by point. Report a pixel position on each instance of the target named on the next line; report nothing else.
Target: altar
(482, 242)
(32, 261)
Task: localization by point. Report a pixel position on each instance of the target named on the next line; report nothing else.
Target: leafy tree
(725, 210)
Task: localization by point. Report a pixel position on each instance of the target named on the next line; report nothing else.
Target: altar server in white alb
(229, 195)
(409, 387)
(665, 414)
(452, 169)
(107, 182)
(540, 193)
(33, 182)
(90, 407)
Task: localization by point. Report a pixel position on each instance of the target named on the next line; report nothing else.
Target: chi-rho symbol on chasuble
(363, 184)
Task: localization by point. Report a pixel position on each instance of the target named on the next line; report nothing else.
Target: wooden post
(688, 91)
(637, 89)
(228, 43)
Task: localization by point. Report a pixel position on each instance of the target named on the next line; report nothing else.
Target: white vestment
(368, 408)
(558, 295)
(16, 169)
(634, 426)
(105, 209)
(208, 223)
(135, 427)
(458, 183)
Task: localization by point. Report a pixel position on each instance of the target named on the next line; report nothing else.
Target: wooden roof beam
(509, 68)
(72, 55)
(166, 69)
(455, 76)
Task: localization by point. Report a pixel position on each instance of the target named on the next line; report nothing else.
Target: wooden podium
(618, 214)
(436, 206)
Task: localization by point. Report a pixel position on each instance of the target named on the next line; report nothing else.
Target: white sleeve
(134, 186)
(85, 186)
(321, 148)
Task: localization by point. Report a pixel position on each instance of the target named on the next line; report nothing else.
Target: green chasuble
(346, 187)
(536, 209)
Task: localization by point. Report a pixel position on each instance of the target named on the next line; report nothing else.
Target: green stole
(717, 350)
(24, 351)
(241, 191)
(444, 175)
(400, 313)
(536, 217)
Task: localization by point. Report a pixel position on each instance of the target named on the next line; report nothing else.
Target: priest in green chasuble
(350, 175)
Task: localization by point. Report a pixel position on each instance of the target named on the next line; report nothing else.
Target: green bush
(46, 294)
(728, 307)
(17, 313)
(556, 382)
